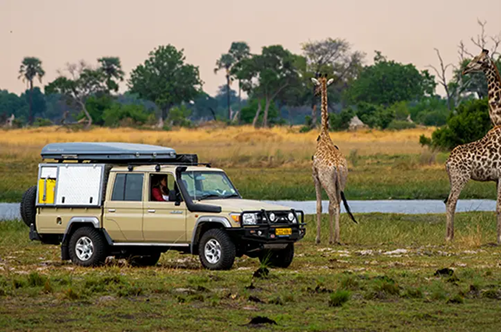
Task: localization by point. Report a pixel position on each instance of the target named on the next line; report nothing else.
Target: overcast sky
(61, 31)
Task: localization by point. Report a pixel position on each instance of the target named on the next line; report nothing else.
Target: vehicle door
(164, 221)
(123, 209)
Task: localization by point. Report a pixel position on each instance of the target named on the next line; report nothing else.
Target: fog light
(259, 233)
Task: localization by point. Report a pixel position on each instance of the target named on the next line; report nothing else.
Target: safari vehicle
(95, 200)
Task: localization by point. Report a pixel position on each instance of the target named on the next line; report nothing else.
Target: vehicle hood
(239, 205)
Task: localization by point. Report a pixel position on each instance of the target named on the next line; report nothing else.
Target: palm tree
(112, 68)
(30, 68)
(226, 61)
(239, 51)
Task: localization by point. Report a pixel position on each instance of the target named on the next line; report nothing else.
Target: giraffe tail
(345, 202)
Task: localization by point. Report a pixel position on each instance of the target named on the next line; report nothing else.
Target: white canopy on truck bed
(107, 151)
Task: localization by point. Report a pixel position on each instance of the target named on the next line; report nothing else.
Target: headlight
(249, 219)
(291, 217)
(272, 217)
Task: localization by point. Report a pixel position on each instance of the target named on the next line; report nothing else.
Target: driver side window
(163, 188)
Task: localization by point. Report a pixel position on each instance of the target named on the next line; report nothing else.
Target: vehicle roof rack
(116, 153)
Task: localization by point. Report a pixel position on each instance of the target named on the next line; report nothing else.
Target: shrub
(341, 121)
(470, 123)
(41, 122)
(400, 125)
(125, 114)
(35, 279)
(178, 117)
(338, 298)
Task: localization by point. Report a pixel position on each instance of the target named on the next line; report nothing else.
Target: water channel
(10, 211)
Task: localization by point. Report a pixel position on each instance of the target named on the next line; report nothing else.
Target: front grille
(281, 217)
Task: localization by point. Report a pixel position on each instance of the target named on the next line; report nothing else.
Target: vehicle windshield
(208, 185)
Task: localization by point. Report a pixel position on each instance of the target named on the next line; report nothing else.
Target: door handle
(111, 210)
(151, 211)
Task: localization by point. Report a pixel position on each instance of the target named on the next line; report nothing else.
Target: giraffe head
(320, 83)
(478, 63)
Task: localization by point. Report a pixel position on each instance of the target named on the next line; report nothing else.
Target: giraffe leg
(332, 211)
(498, 212)
(337, 214)
(318, 190)
(458, 181)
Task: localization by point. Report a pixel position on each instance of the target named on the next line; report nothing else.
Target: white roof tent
(118, 153)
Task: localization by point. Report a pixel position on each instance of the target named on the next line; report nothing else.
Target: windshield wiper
(232, 195)
(208, 196)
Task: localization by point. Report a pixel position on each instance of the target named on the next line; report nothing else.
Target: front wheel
(216, 250)
(278, 258)
(87, 247)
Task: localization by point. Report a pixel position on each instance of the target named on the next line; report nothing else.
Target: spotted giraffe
(484, 63)
(330, 169)
(480, 161)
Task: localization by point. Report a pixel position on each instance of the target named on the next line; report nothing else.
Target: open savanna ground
(263, 163)
(393, 272)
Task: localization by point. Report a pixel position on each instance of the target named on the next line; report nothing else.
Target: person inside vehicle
(159, 190)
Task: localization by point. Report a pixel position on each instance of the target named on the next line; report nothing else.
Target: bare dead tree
(442, 79)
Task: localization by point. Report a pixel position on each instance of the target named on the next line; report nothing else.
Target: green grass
(370, 177)
(381, 278)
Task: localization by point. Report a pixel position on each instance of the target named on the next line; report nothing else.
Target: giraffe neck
(494, 89)
(325, 110)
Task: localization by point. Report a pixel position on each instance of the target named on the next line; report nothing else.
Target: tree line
(166, 91)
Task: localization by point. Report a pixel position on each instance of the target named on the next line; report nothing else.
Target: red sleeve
(157, 195)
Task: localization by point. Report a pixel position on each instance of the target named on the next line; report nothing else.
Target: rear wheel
(27, 209)
(216, 250)
(278, 258)
(87, 247)
(144, 260)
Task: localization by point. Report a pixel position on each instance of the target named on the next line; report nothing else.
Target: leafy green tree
(10, 103)
(30, 69)
(96, 106)
(334, 57)
(387, 82)
(36, 99)
(471, 123)
(112, 68)
(125, 115)
(166, 79)
(266, 75)
(430, 111)
(82, 83)
(249, 112)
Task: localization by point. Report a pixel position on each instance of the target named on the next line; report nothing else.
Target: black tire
(278, 258)
(28, 210)
(145, 260)
(227, 251)
(97, 242)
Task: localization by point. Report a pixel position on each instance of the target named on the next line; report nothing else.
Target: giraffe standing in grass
(330, 169)
(484, 63)
(479, 160)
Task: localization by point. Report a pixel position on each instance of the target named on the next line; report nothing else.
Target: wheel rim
(84, 248)
(212, 251)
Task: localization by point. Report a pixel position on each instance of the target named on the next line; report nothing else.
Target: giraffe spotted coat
(480, 161)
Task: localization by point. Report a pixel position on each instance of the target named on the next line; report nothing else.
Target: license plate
(283, 231)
